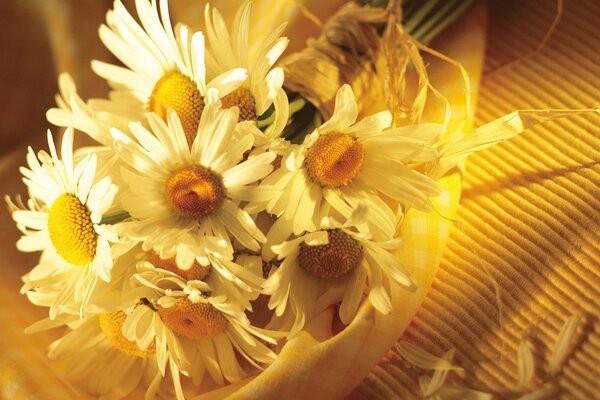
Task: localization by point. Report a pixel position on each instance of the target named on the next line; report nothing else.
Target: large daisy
(344, 162)
(182, 200)
(230, 50)
(334, 264)
(64, 215)
(162, 69)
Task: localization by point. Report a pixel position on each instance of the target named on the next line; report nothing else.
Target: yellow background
(528, 222)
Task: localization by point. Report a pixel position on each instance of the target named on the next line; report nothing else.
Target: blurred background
(539, 54)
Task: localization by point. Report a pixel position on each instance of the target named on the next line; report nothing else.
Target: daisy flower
(343, 162)
(182, 200)
(231, 50)
(64, 216)
(196, 326)
(162, 69)
(102, 361)
(335, 263)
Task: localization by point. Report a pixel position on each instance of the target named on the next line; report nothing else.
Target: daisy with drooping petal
(335, 263)
(182, 200)
(162, 70)
(102, 361)
(344, 162)
(231, 50)
(198, 327)
(235, 282)
(64, 215)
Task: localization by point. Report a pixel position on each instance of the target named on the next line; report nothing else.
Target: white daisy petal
(249, 171)
(228, 81)
(378, 296)
(390, 265)
(269, 89)
(33, 219)
(197, 60)
(241, 226)
(345, 112)
(34, 242)
(353, 296)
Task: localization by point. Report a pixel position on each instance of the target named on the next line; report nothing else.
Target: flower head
(334, 263)
(163, 69)
(64, 217)
(232, 49)
(344, 162)
(196, 326)
(184, 201)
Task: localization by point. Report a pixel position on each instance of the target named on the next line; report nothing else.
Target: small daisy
(162, 70)
(182, 200)
(343, 162)
(102, 361)
(197, 326)
(230, 51)
(64, 216)
(334, 264)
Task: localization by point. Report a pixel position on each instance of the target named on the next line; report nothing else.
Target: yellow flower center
(177, 91)
(194, 191)
(242, 98)
(193, 320)
(111, 326)
(334, 160)
(71, 230)
(332, 260)
(196, 272)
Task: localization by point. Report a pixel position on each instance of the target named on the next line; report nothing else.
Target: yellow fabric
(25, 371)
(314, 365)
(529, 215)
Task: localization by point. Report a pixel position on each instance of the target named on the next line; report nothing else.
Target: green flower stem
(114, 218)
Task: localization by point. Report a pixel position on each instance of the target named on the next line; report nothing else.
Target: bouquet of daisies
(200, 234)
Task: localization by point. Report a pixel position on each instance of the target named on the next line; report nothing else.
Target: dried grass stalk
(346, 52)
(386, 70)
